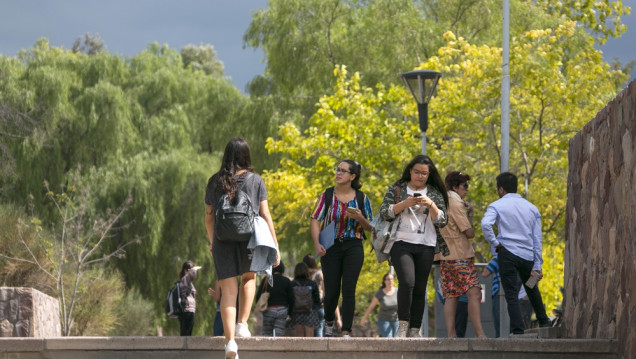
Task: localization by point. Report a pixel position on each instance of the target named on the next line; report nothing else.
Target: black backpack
(303, 300)
(174, 305)
(234, 220)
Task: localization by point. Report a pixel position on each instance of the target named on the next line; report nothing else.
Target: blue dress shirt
(518, 227)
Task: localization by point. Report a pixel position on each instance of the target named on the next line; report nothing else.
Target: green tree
(202, 57)
(558, 83)
(70, 255)
(149, 126)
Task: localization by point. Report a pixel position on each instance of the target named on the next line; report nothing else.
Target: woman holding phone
(418, 201)
(350, 209)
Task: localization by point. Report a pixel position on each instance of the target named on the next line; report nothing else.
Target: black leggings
(341, 268)
(186, 321)
(412, 263)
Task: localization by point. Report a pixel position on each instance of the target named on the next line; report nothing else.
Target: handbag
(261, 304)
(381, 239)
(328, 235)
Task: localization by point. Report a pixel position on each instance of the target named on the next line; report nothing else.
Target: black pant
(186, 322)
(512, 269)
(412, 263)
(341, 268)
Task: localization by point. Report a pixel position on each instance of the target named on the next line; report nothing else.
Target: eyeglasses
(340, 170)
(418, 173)
(465, 185)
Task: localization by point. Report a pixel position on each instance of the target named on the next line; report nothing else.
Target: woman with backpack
(306, 296)
(349, 210)
(234, 182)
(189, 292)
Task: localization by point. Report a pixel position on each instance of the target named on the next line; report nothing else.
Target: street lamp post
(422, 85)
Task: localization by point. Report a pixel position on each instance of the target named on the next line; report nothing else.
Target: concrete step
(304, 348)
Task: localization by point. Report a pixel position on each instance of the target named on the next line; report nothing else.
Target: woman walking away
(458, 272)
(278, 303)
(231, 256)
(189, 292)
(387, 317)
(341, 263)
(305, 299)
(417, 201)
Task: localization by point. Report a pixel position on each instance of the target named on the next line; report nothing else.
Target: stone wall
(26, 312)
(600, 253)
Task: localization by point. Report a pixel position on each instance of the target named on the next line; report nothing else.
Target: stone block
(27, 312)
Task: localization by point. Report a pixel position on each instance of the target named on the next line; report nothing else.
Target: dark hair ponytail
(355, 168)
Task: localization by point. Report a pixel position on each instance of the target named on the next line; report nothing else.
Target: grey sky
(127, 26)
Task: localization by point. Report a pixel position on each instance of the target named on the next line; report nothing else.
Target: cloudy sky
(127, 26)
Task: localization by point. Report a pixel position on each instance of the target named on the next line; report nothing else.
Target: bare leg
(450, 309)
(229, 288)
(299, 330)
(474, 302)
(248, 287)
(309, 331)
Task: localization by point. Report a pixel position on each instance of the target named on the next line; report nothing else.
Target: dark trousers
(512, 269)
(461, 318)
(186, 322)
(341, 268)
(412, 263)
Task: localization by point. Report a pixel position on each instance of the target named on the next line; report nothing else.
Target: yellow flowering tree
(558, 83)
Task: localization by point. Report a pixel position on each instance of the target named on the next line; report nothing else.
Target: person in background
(189, 292)
(232, 258)
(458, 272)
(218, 322)
(519, 248)
(304, 323)
(342, 262)
(386, 296)
(417, 201)
(278, 303)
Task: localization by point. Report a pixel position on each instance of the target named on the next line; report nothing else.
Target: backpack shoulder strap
(328, 198)
(360, 200)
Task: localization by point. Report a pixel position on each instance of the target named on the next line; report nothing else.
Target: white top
(415, 224)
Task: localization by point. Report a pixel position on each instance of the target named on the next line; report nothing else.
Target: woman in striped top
(350, 209)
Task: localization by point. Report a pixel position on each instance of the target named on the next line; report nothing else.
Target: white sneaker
(403, 327)
(414, 333)
(242, 331)
(346, 336)
(231, 350)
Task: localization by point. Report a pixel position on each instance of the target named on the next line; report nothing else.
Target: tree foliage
(153, 126)
(558, 83)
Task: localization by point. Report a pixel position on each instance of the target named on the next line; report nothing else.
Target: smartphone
(416, 194)
(532, 281)
(196, 268)
(351, 210)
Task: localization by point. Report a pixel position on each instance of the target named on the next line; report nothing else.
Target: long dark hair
(355, 169)
(434, 179)
(235, 158)
(184, 268)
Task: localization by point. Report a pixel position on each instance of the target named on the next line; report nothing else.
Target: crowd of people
(431, 221)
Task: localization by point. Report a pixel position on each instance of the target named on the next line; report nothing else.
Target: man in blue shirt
(518, 244)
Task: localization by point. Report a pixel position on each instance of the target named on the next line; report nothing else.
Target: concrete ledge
(307, 348)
